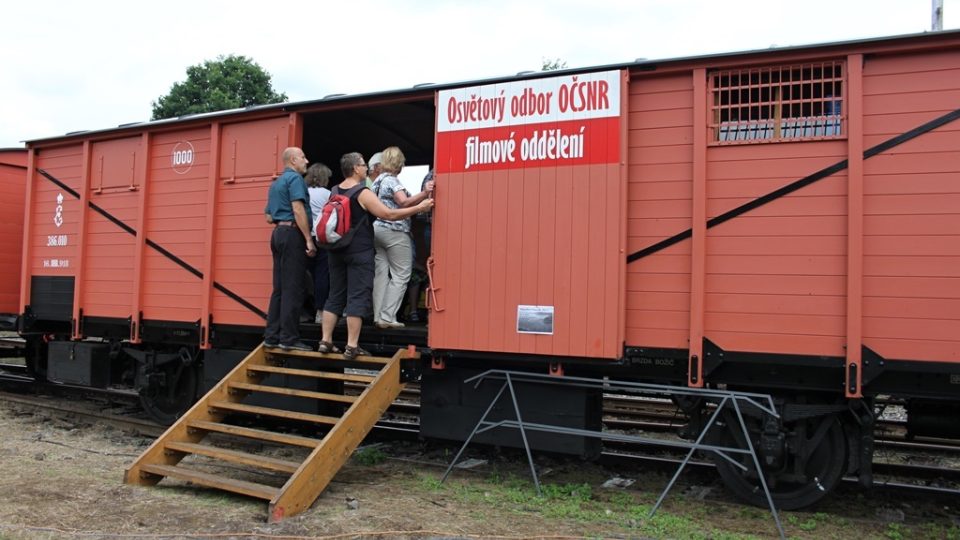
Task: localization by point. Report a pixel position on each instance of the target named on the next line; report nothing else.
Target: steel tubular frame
(725, 399)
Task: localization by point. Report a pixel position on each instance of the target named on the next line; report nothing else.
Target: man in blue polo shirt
(288, 209)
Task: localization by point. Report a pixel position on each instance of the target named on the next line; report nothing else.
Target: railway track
(896, 477)
(920, 469)
(85, 412)
(917, 470)
(627, 414)
(620, 412)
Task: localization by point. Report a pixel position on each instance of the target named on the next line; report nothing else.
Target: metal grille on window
(803, 101)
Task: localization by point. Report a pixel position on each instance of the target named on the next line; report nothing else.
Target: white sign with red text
(566, 120)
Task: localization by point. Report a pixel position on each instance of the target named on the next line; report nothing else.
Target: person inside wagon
(419, 276)
(375, 168)
(317, 178)
(394, 245)
(352, 267)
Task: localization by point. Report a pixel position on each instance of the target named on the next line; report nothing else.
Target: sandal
(326, 348)
(351, 353)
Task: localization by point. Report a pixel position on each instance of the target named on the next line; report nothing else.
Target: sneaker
(326, 348)
(351, 353)
(413, 317)
(271, 344)
(298, 346)
(385, 324)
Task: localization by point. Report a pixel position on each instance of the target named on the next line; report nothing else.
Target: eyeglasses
(361, 164)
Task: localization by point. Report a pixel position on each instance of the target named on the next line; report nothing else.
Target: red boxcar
(13, 183)
(785, 220)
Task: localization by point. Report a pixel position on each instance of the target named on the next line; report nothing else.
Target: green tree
(229, 82)
(553, 64)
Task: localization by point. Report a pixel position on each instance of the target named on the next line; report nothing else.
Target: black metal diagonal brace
(150, 243)
(826, 172)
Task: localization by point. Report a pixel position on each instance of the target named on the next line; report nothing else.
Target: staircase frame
(309, 478)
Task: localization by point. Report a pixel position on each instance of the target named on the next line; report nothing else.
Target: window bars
(778, 103)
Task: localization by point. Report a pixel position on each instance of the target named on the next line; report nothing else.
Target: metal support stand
(726, 400)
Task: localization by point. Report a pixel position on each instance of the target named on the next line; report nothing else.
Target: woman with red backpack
(351, 262)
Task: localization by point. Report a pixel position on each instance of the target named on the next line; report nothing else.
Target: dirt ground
(62, 478)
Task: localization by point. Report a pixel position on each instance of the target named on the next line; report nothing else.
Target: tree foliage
(229, 82)
(553, 64)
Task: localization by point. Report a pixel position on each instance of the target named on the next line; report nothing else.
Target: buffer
(291, 484)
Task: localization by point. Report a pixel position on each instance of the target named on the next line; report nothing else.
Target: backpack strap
(354, 190)
(348, 193)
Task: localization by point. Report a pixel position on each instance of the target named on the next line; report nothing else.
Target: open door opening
(369, 127)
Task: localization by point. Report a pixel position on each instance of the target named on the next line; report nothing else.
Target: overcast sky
(67, 66)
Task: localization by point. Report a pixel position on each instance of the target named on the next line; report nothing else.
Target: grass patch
(430, 482)
(807, 522)
(577, 503)
(894, 531)
(665, 525)
(370, 455)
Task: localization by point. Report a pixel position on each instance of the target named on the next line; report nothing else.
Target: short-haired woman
(317, 179)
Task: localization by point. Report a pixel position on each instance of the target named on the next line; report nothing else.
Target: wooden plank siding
(659, 191)
(559, 234)
(173, 213)
(543, 230)
(250, 158)
(106, 283)
(790, 240)
(912, 209)
(63, 163)
(170, 293)
(777, 276)
(13, 184)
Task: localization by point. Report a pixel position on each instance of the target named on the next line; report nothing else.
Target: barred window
(803, 101)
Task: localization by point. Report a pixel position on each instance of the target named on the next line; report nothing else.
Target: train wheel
(808, 472)
(169, 401)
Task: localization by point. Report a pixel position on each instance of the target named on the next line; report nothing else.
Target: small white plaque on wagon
(535, 319)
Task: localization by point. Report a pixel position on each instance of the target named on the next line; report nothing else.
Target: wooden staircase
(206, 420)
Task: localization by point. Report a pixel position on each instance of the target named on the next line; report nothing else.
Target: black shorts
(351, 283)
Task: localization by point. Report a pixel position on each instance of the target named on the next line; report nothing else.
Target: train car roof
(13, 157)
(640, 64)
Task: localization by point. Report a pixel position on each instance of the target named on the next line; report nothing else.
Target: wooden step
(318, 356)
(326, 455)
(275, 413)
(242, 487)
(311, 373)
(251, 433)
(292, 392)
(235, 456)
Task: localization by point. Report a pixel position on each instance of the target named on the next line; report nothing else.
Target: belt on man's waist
(285, 223)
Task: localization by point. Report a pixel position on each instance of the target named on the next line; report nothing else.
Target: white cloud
(97, 64)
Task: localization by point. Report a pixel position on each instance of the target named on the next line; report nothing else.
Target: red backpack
(332, 229)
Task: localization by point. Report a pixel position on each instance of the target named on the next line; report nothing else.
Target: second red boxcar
(13, 185)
